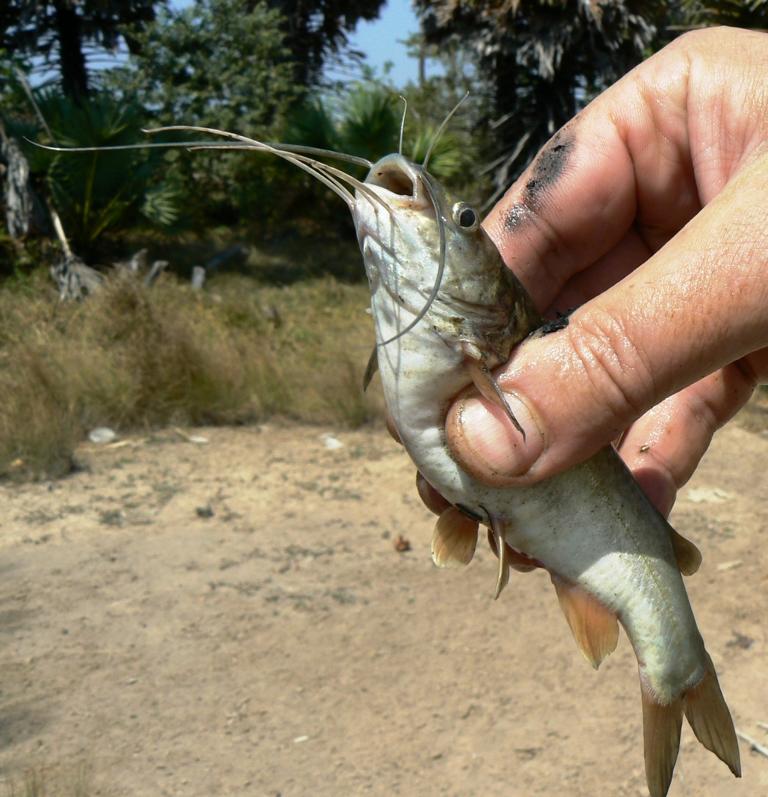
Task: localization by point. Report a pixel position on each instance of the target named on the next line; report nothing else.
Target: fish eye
(465, 217)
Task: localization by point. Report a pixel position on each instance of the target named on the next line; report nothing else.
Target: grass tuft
(73, 781)
(135, 357)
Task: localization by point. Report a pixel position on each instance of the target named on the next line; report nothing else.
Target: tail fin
(661, 738)
(707, 714)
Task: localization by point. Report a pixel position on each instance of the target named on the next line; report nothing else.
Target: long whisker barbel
(257, 145)
(296, 154)
(318, 169)
(301, 162)
(440, 129)
(402, 125)
(298, 148)
(260, 145)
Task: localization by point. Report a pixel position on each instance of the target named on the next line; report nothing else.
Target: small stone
(102, 434)
(331, 443)
(401, 544)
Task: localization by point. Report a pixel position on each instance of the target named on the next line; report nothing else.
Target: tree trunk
(23, 211)
(74, 75)
(17, 195)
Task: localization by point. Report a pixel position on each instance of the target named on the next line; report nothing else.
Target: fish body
(447, 310)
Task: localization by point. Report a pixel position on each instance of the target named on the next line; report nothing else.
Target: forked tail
(595, 630)
(707, 714)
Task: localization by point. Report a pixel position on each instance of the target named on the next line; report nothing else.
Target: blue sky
(379, 40)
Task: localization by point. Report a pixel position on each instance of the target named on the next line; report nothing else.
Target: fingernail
(494, 441)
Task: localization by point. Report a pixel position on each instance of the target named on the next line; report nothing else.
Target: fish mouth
(401, 178)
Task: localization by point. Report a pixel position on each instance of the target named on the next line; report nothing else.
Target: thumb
(695, 306)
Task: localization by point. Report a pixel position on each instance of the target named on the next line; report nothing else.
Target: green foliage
(97, 191)
(365, 121)
(11, 93)
(737, 13)
(458, 155)
(370, 121)
(222, 64)
(538, 62)
(446, 159)
(316, 32)
(216, 63)
(58, 33)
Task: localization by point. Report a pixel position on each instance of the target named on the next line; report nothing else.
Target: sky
(379, 40)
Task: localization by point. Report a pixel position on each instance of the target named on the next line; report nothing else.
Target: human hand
(650, 211)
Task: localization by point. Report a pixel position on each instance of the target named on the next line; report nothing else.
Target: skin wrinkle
(600, 338)
(747, 372)
(604, 273)
(660, 111)
(721, 152)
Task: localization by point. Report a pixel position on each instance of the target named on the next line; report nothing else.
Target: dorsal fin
(594, 627)
(688, 556)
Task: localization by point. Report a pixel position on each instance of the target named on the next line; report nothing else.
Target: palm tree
(540, 61)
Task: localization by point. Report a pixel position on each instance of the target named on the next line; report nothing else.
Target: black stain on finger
(516, 216)
(548, 168)
(560, 321)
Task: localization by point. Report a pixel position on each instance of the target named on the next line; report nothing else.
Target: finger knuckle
(701, 38)
(614, 365)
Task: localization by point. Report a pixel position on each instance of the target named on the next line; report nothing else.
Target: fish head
(430, 262)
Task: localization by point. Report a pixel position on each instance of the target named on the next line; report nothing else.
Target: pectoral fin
(488, 387)
(454, 539)
(594, 627)
(688, 556)
(370, 368)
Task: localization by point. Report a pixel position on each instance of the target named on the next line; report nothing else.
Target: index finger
(639, 161)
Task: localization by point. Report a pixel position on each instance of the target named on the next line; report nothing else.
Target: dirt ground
(232, 618)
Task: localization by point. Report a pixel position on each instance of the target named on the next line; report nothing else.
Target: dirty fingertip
(487, 444)
(430, 497)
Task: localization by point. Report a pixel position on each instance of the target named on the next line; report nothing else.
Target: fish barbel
(447, 311)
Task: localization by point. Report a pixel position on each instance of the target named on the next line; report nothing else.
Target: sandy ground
(232, 618)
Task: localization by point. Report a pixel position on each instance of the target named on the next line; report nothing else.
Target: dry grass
(133, 357)
(72, 781)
